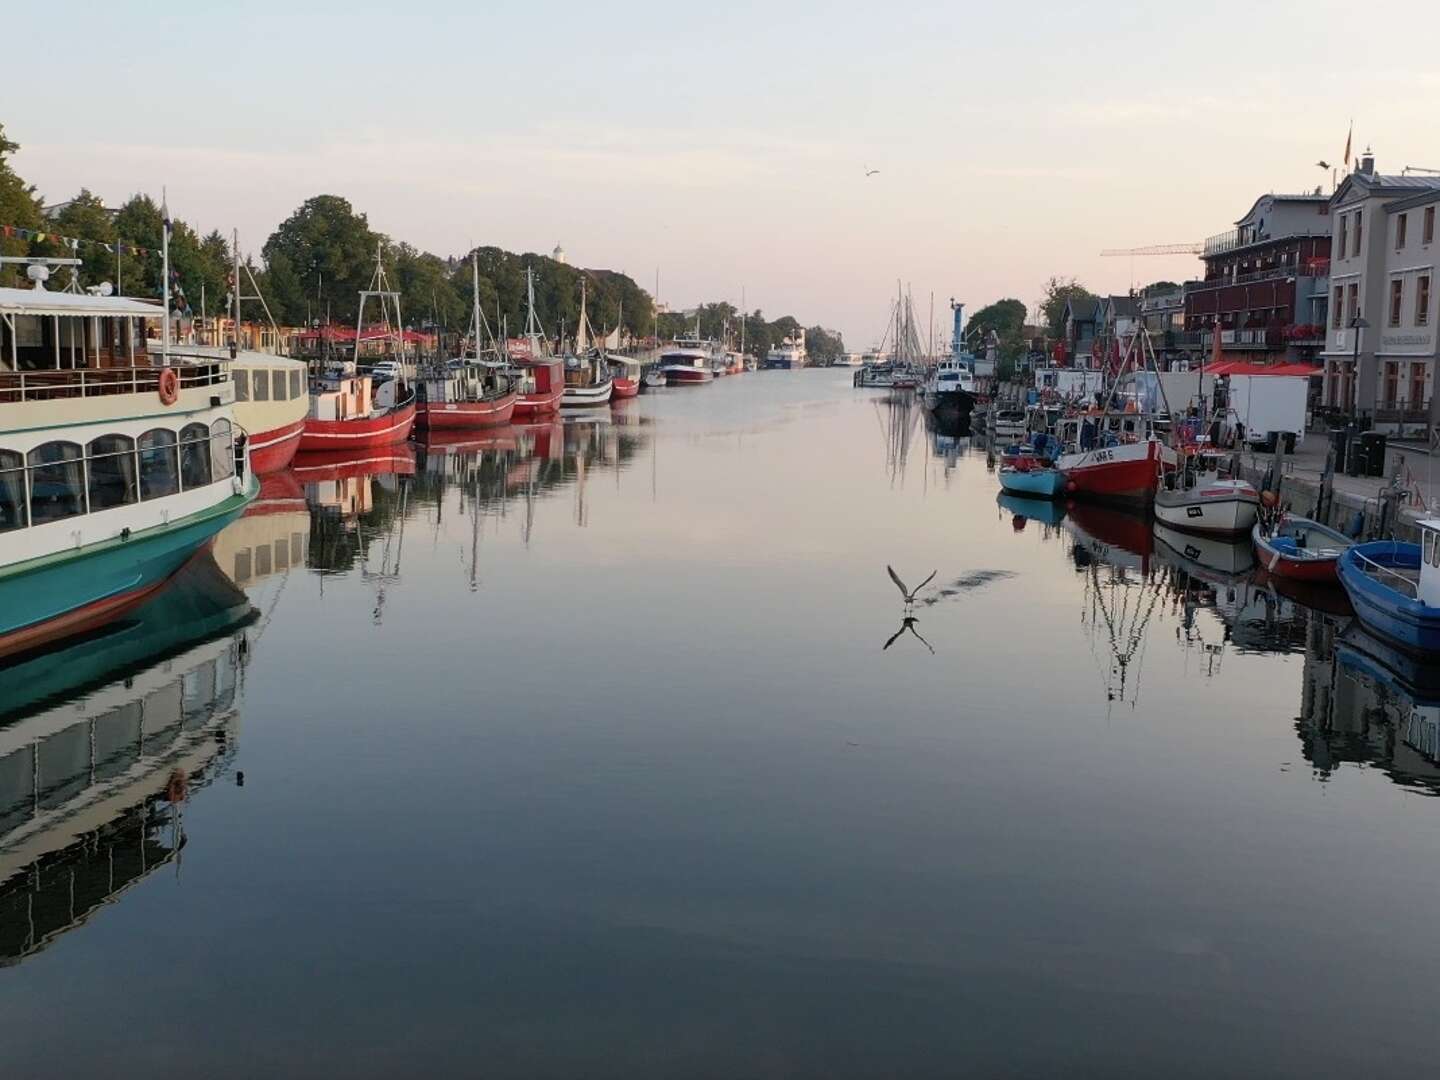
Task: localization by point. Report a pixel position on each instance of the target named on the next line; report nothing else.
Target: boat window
(241, 378)
(113, 475)
(222, 451)
(194, 455)
(260, 386)
(295, 387)
(57, 482)
(159, 464)
(12, 491)
(278, 378)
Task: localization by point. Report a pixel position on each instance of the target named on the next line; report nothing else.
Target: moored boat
(345, 415)
(115, 467)
(686, 362)
(1037, 481)
(1115, 469)
(1395, 588)
(468, 392)
(1299, 549)
(1214, 506)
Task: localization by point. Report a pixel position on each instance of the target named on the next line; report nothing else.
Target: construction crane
(1195, 248)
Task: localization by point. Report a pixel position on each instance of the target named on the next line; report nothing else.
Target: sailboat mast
(475, 301)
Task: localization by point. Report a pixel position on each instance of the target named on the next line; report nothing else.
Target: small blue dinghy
(1394, 588)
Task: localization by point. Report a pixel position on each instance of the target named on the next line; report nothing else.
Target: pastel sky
(727, 144)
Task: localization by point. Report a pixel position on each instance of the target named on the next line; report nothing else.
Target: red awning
(1246, 367)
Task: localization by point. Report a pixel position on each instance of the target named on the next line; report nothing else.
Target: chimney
(1367, 162)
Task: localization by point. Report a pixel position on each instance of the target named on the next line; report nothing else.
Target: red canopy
(1246, 367)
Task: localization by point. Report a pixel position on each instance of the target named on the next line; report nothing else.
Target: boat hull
(1405, 622)
(443, 416)
(271, 451)
(1299, 564)
(587, 396)
(1228, 512)
(70, 592)
(678, 376)
(625, 388)
(1126, 473)
(1037, 483)
(330, 436)
(542, 403)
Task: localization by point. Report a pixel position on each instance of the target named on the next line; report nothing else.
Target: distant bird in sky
(869, 171)
(908, 593)
(1323, 164)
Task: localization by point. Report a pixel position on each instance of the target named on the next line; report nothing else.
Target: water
(592, 750)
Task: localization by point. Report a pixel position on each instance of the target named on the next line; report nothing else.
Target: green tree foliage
(1159, 288)
(823, 344)
(19, 206)
(1007, 319)
(319, 259)
(1058, 293)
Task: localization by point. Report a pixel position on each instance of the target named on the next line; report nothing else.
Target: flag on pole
(1348, 136)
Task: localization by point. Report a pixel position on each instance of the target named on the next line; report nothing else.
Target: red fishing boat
(468, 392)
(1299, 549)
(541, 386)
(345, 415)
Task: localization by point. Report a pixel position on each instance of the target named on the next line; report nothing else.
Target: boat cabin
(1089, 430)
(1429, 586)
(540, 376)
(341, 397)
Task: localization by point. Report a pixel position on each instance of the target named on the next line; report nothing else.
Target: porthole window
(57, 482)
(194, 455)
(12, 491)
(114, 479)
(159, 464)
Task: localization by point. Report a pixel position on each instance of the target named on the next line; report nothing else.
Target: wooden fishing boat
(469, 391)
(344, 415)
(1299, 549)
(541, 387)
(1395, 588)
(1212, 506)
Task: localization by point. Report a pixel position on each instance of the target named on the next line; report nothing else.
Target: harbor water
(609, 747)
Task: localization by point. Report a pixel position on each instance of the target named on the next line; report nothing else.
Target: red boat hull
(688, 376)
(398, 459)
(341, 436)
(624, 388)
(436, 416)
(271, 451)
(1122, 478)
(539, 404)
(1316, 570)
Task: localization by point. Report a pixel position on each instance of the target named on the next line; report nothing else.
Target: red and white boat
(1299, 549)
(1125, 467)
(270, 400)
(625, 376)
(344, 414)
(468, 392)
(1203, 501)
(540, 385)
(687, 362)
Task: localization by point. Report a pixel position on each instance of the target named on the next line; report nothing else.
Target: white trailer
(1268, 405)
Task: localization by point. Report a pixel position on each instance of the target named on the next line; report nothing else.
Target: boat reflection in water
(1368, 705)
(101, 740)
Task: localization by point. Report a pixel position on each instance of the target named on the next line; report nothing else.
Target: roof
(1420, 198)
(1246, 367)
(1123, 305)
(1383, 184)
(1320, 200)
(45, 302)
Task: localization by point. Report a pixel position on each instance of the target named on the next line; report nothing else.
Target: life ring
(169, 386)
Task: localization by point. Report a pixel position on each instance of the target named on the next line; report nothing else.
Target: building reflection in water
(101, 741)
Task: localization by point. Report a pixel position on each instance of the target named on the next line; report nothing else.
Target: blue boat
(1041, 483)
(1394, 588)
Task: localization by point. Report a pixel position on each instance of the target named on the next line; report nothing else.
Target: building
(1162, 314)
(1265, 283)
(1380, 346)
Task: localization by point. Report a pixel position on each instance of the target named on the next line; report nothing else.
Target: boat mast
(475, 301)
(532, 325)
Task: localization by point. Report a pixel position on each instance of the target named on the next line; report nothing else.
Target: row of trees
(315, 263)
(723, 320)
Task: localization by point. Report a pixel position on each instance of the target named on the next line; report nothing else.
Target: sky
(726, 146)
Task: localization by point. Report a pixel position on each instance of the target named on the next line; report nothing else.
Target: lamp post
(1357, 323)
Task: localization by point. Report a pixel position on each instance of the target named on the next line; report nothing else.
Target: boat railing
(22, 386)
(1401, 583)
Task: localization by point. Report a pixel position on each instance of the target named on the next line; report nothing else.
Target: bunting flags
(40, 236)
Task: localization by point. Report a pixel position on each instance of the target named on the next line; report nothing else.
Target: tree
(139, 223)
(19, 207)
(84, 217)
(1006, 318)
(1159, 288)
(319, 259)
(823, 344)
(1058, 293)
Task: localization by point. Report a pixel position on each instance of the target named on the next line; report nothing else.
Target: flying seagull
(869, 171)
(907, 593)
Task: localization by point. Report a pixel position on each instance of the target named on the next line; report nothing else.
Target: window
(1344, 235)
(1337, 309)
(261, 385)
(1352, 301)
(159, 464)
(57, 482)
(1392, 383)
(1359, 229)
(278, 393)
(1417, 386)
(112, 472)
(1397, 300)
(241, 379)
(1400, 226)
(1422, 300)
(12, 491)
(222, 453)
(194, 455)
(1427, 225)
(296, 388)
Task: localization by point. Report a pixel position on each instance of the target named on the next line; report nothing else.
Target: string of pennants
(72, 242)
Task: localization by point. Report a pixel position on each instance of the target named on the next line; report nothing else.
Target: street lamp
(1357, 323)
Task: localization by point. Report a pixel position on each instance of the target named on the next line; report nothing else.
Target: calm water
(579, 750)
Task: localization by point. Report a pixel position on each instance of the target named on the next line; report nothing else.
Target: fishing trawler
(588, 381)
(686, 361)
(790, 353)
(115, 464)
(468, 392)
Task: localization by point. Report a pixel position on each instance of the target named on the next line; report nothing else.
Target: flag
(1348, 136)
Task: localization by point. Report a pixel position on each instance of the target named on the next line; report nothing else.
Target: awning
(1246, 367)
(45, 302)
